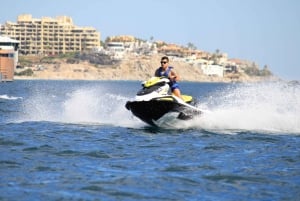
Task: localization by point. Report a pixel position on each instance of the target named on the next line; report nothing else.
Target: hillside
(131, 68)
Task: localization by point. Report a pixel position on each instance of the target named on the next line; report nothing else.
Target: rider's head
(164, 61)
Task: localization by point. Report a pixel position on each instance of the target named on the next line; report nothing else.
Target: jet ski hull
(152, 110)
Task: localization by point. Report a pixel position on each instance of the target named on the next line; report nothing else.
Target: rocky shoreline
(131, 68)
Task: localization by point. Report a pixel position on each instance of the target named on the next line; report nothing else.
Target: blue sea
(75, 140)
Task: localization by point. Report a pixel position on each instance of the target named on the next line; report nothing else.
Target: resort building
(213, 70)
(116, 50)
(50, 35)
(8, 58)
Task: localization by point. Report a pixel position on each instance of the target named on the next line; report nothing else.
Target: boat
(155, 104)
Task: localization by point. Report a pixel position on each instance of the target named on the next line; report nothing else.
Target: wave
(259, 107)
(6, 97)
(84, 105)
(272, 107)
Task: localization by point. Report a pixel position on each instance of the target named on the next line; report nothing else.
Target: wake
(261, 107)
(6, 97)
(81, 106)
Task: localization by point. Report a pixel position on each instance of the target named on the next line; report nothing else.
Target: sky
(266, 32)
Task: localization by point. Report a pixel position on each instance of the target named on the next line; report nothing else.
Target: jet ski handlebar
(155, 80)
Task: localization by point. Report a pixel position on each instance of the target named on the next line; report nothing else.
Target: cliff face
(131, 68)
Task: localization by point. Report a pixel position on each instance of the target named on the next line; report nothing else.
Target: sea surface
(75, 140)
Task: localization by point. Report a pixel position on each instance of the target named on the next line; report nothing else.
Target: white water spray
(7, 97)
(83, 106)
(94, 106)
(267, 107)
(262, 107)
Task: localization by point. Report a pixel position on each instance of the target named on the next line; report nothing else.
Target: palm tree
(265, 71)
(191, 46)
(216, 56)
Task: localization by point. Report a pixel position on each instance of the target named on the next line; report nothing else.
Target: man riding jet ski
(155, 104)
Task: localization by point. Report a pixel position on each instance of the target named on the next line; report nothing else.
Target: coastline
(132, 69)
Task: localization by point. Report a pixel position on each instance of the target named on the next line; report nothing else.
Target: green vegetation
(265, 71)
(255, 71)
(23, 61)
(67, 55)
(27, 72)
(191, 46)
(50, 59)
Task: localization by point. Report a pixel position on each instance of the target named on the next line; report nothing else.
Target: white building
(213, 70)
(116, 49)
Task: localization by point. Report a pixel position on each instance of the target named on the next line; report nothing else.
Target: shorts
(174, 86)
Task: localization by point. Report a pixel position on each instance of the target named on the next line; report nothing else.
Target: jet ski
(156, 105)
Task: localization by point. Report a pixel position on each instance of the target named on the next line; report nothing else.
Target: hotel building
(50, 36)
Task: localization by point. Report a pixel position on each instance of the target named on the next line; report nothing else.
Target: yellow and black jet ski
(155, 103)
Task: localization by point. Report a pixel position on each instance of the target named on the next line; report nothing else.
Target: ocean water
(75, 140)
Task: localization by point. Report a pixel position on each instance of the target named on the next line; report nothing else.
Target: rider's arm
(174, 76)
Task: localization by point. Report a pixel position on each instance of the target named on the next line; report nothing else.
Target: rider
(168, 71)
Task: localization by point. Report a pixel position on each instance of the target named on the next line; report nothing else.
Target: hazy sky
(266, 32)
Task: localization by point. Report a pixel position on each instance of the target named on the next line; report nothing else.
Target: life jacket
(160, 73)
